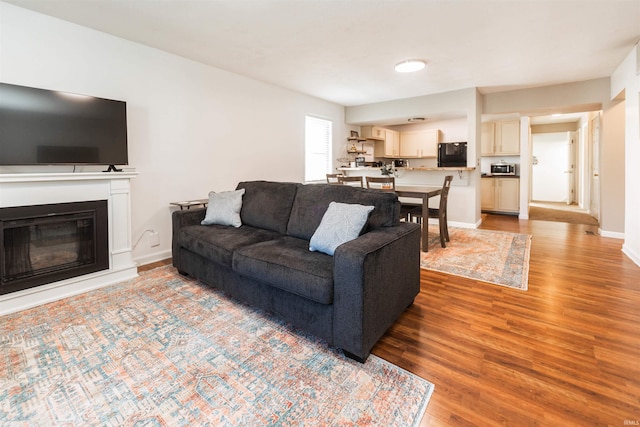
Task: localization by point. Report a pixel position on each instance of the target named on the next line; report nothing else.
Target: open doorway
(561, 163)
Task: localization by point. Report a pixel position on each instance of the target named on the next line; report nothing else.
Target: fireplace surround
(42, 244)
(25, 190)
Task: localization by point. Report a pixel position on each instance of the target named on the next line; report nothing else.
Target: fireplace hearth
(42, 244)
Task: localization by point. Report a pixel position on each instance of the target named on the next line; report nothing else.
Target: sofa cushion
(312, 201)
(217, 242)
(224, 208)
(267, 204)
(287, 264)
(341, 223)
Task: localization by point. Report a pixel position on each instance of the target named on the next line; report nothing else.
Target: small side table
(187, 204)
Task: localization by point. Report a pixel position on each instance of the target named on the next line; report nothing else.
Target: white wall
(612, 170)
(625, 82)
(192, 128)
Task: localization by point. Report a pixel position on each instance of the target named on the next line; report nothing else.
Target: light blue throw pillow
(224, 208)
(341, 223)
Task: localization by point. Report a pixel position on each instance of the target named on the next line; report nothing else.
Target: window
(317, 148)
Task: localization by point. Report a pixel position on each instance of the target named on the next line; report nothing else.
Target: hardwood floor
(564, 353)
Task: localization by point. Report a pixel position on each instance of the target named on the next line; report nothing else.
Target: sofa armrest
(179, 219)
(376, 277)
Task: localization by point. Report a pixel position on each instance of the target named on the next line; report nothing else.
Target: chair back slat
(334, 178)
(350, 179)
(444, 194)
(381, 180)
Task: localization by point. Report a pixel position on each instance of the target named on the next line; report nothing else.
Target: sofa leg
(354, 357)
(182, 273)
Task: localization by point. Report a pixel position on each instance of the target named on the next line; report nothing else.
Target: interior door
(594, 207)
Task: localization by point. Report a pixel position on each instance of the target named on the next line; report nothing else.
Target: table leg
(425, 223)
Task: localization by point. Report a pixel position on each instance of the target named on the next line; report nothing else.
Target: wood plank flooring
(564, 353)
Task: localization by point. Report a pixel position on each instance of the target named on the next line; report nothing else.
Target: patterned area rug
(163, 350)
(497, 257)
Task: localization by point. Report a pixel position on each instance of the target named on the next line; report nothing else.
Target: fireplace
(42, 244)
(30, 189)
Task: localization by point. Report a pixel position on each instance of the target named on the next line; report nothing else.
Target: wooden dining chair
(350, 179)
(440, 212)
(379, 182)
(333, 178)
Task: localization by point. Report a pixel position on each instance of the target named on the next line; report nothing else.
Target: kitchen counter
(366, 168)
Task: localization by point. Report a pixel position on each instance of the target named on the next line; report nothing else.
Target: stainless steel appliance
(360, 161)
(400, 163)
(452, 154)
(503, 168)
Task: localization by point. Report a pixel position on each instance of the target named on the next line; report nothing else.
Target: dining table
(424, 193)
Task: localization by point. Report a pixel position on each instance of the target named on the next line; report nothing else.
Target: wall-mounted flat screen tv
(46, 127)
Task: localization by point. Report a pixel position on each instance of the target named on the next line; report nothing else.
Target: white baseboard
(434, 221)
(612, 234)
(633, 256)
(155, 257)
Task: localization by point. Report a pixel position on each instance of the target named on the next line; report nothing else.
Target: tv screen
(45, 127)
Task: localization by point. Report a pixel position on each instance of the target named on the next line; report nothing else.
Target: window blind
(317, 148)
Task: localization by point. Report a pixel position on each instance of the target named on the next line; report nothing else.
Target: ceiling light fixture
(410, 65)
(415, 119)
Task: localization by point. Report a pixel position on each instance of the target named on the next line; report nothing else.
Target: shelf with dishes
(353, 149)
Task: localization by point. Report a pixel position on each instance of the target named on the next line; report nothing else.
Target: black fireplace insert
(43, 244)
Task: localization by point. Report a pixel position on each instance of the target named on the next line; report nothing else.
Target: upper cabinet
(373, 132)
(392, 143)
(389, 146)
(500, 138)
(419, 143)
(411, 144)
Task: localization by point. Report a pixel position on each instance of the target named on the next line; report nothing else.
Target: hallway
(560, 212)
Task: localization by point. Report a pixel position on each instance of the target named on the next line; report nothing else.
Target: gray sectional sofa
(349, 299)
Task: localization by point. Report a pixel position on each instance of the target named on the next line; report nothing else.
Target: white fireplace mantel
(25, 189)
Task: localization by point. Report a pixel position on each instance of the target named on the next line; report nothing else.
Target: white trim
(23, 189)
(154, 257)
(612, 234)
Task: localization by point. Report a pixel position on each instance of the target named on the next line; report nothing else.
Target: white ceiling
(344, 51)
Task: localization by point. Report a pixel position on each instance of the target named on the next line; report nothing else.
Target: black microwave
(452, 154)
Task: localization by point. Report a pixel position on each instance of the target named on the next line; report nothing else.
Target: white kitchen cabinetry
(500, 194)
(419, 143)
(487, 136)
(500, 138)
(392, 143)
(487, 194)
(389, 146)
(373, 132)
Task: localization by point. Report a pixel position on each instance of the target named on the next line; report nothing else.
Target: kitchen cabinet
(500, 195)
(419, 143)
(500, 138)
(392, 143)
(373, 132)
(389, 146)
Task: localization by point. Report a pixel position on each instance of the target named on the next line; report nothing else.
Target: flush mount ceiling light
(415, 119)
(410, 65)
